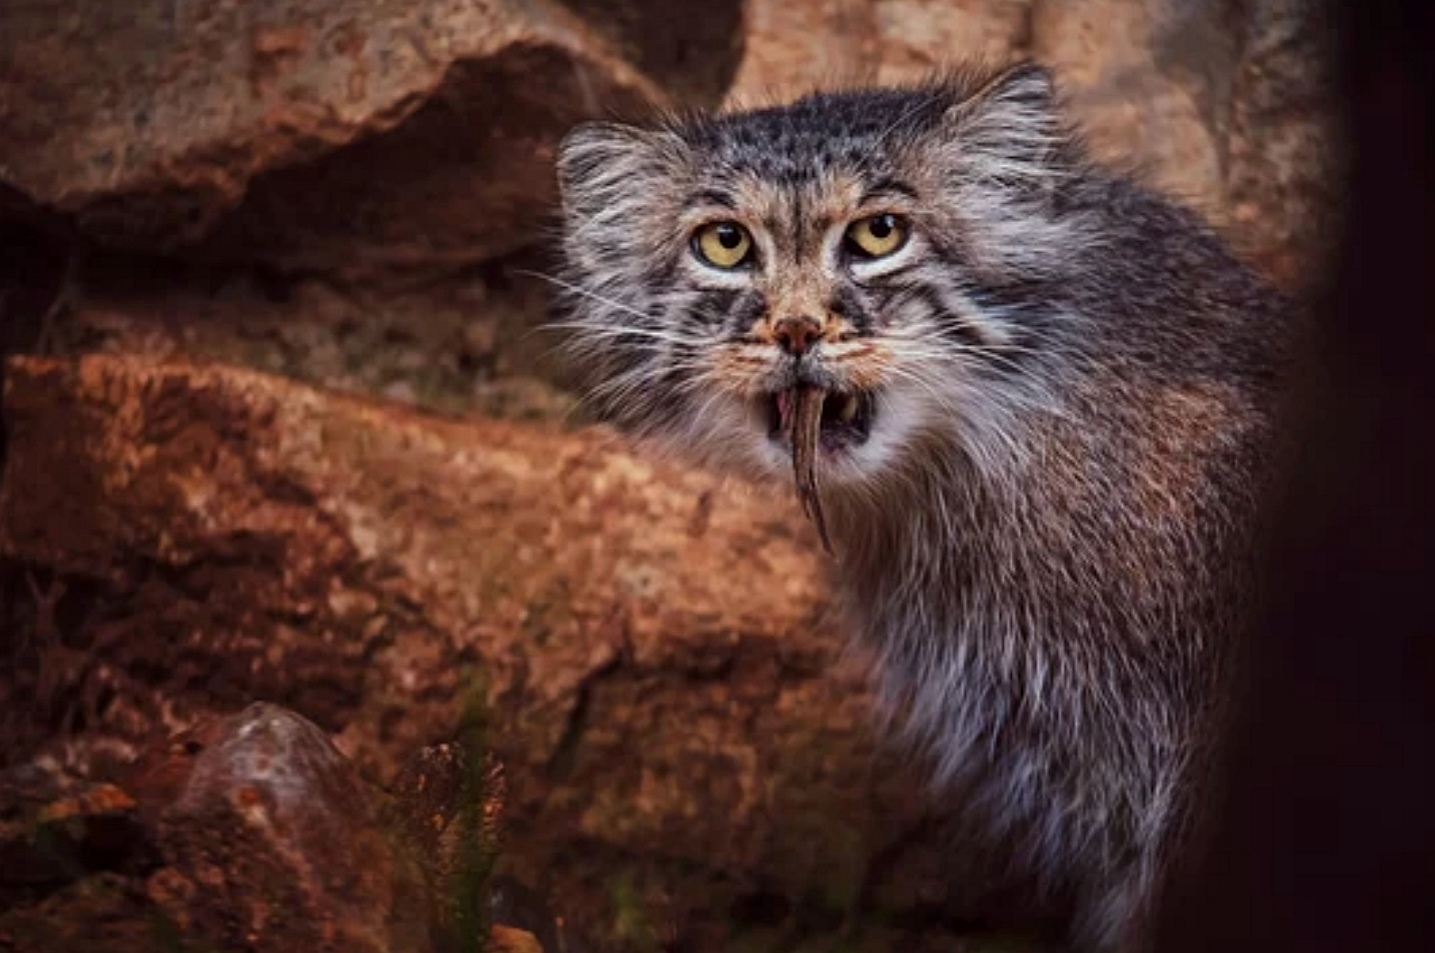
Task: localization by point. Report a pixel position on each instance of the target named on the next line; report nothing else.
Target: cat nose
(796, 335)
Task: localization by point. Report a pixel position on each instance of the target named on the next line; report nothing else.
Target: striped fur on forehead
(796, 217)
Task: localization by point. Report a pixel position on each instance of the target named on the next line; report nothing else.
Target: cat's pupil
(881, 226)
(728, 237)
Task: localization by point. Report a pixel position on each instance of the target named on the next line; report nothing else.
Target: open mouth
(846, 419)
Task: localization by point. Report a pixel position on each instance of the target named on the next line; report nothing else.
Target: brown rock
(1149, 83)
(692, 54)
(791, 48)
(252, 832)
(325, 134)
(48, 841)
(655, 652)
(101, 913)
(508, 940)
(922, 36)
(271, 842)
(1286, 164)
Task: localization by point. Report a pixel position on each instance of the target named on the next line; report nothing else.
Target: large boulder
(179, 540)
(341, 135)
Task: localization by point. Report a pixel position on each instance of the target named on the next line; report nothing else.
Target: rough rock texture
(919, 36)
(1286, 160)
(271, 841)
(252, 832)
(791, 48)
(691, 53)
(187, 539)
(1149, 81)
(153, 123)
(796, 47)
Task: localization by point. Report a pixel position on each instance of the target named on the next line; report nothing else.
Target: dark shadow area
(1325, 840)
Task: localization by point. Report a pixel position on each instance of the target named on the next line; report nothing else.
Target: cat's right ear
(600, 164)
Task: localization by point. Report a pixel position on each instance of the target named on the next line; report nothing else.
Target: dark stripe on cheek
(950, 324)
(712, 307)
(847, 304)
(745, 312)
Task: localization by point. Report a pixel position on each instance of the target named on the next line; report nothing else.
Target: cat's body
(1050, 399)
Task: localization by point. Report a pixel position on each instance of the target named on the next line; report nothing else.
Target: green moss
(632, 927)
(476, 853)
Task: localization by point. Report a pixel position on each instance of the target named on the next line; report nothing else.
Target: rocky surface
(366, 137)
(354, 201)
(269, 839)
(1285, 155)
(253, 832)
(180, 539)
(340, 135)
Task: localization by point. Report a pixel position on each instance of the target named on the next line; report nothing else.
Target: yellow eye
(877, 236)
(723, 244)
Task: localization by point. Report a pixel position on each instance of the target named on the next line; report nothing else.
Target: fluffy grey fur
(1045, 539)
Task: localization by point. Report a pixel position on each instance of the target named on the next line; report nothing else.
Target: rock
(919, 37)
(237, 536)
(46, 840)
(791, 48)
(509, 940)
(271, 842)
(102, 912)
(253, 832)
(691, 57)
(338, 135)
(1149, 83)
(1286, 161)
(795, 48)
(1231, 108)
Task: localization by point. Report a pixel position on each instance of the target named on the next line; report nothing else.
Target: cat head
(891, 247)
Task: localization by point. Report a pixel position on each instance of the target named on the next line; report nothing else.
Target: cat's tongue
(799, 412)
(784, 411)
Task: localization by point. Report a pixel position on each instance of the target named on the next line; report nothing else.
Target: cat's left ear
(602, 165)
(1011, 119)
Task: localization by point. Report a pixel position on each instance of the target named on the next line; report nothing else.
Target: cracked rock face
(316, 134)
(197, 535)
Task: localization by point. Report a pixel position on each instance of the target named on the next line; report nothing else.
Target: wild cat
(1046, 399)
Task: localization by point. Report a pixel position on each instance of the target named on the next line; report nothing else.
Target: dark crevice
(694, 57)
(565, 754)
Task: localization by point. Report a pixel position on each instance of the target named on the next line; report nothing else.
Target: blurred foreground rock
(270, 841)
(653, 652)
(253, 833)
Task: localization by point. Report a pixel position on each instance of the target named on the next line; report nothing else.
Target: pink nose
(796, 335)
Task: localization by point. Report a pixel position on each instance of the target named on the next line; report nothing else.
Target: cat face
(873, 245)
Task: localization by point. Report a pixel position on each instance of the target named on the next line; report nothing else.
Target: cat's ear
(1011, 119)
(1006, 152)
(601, 164)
